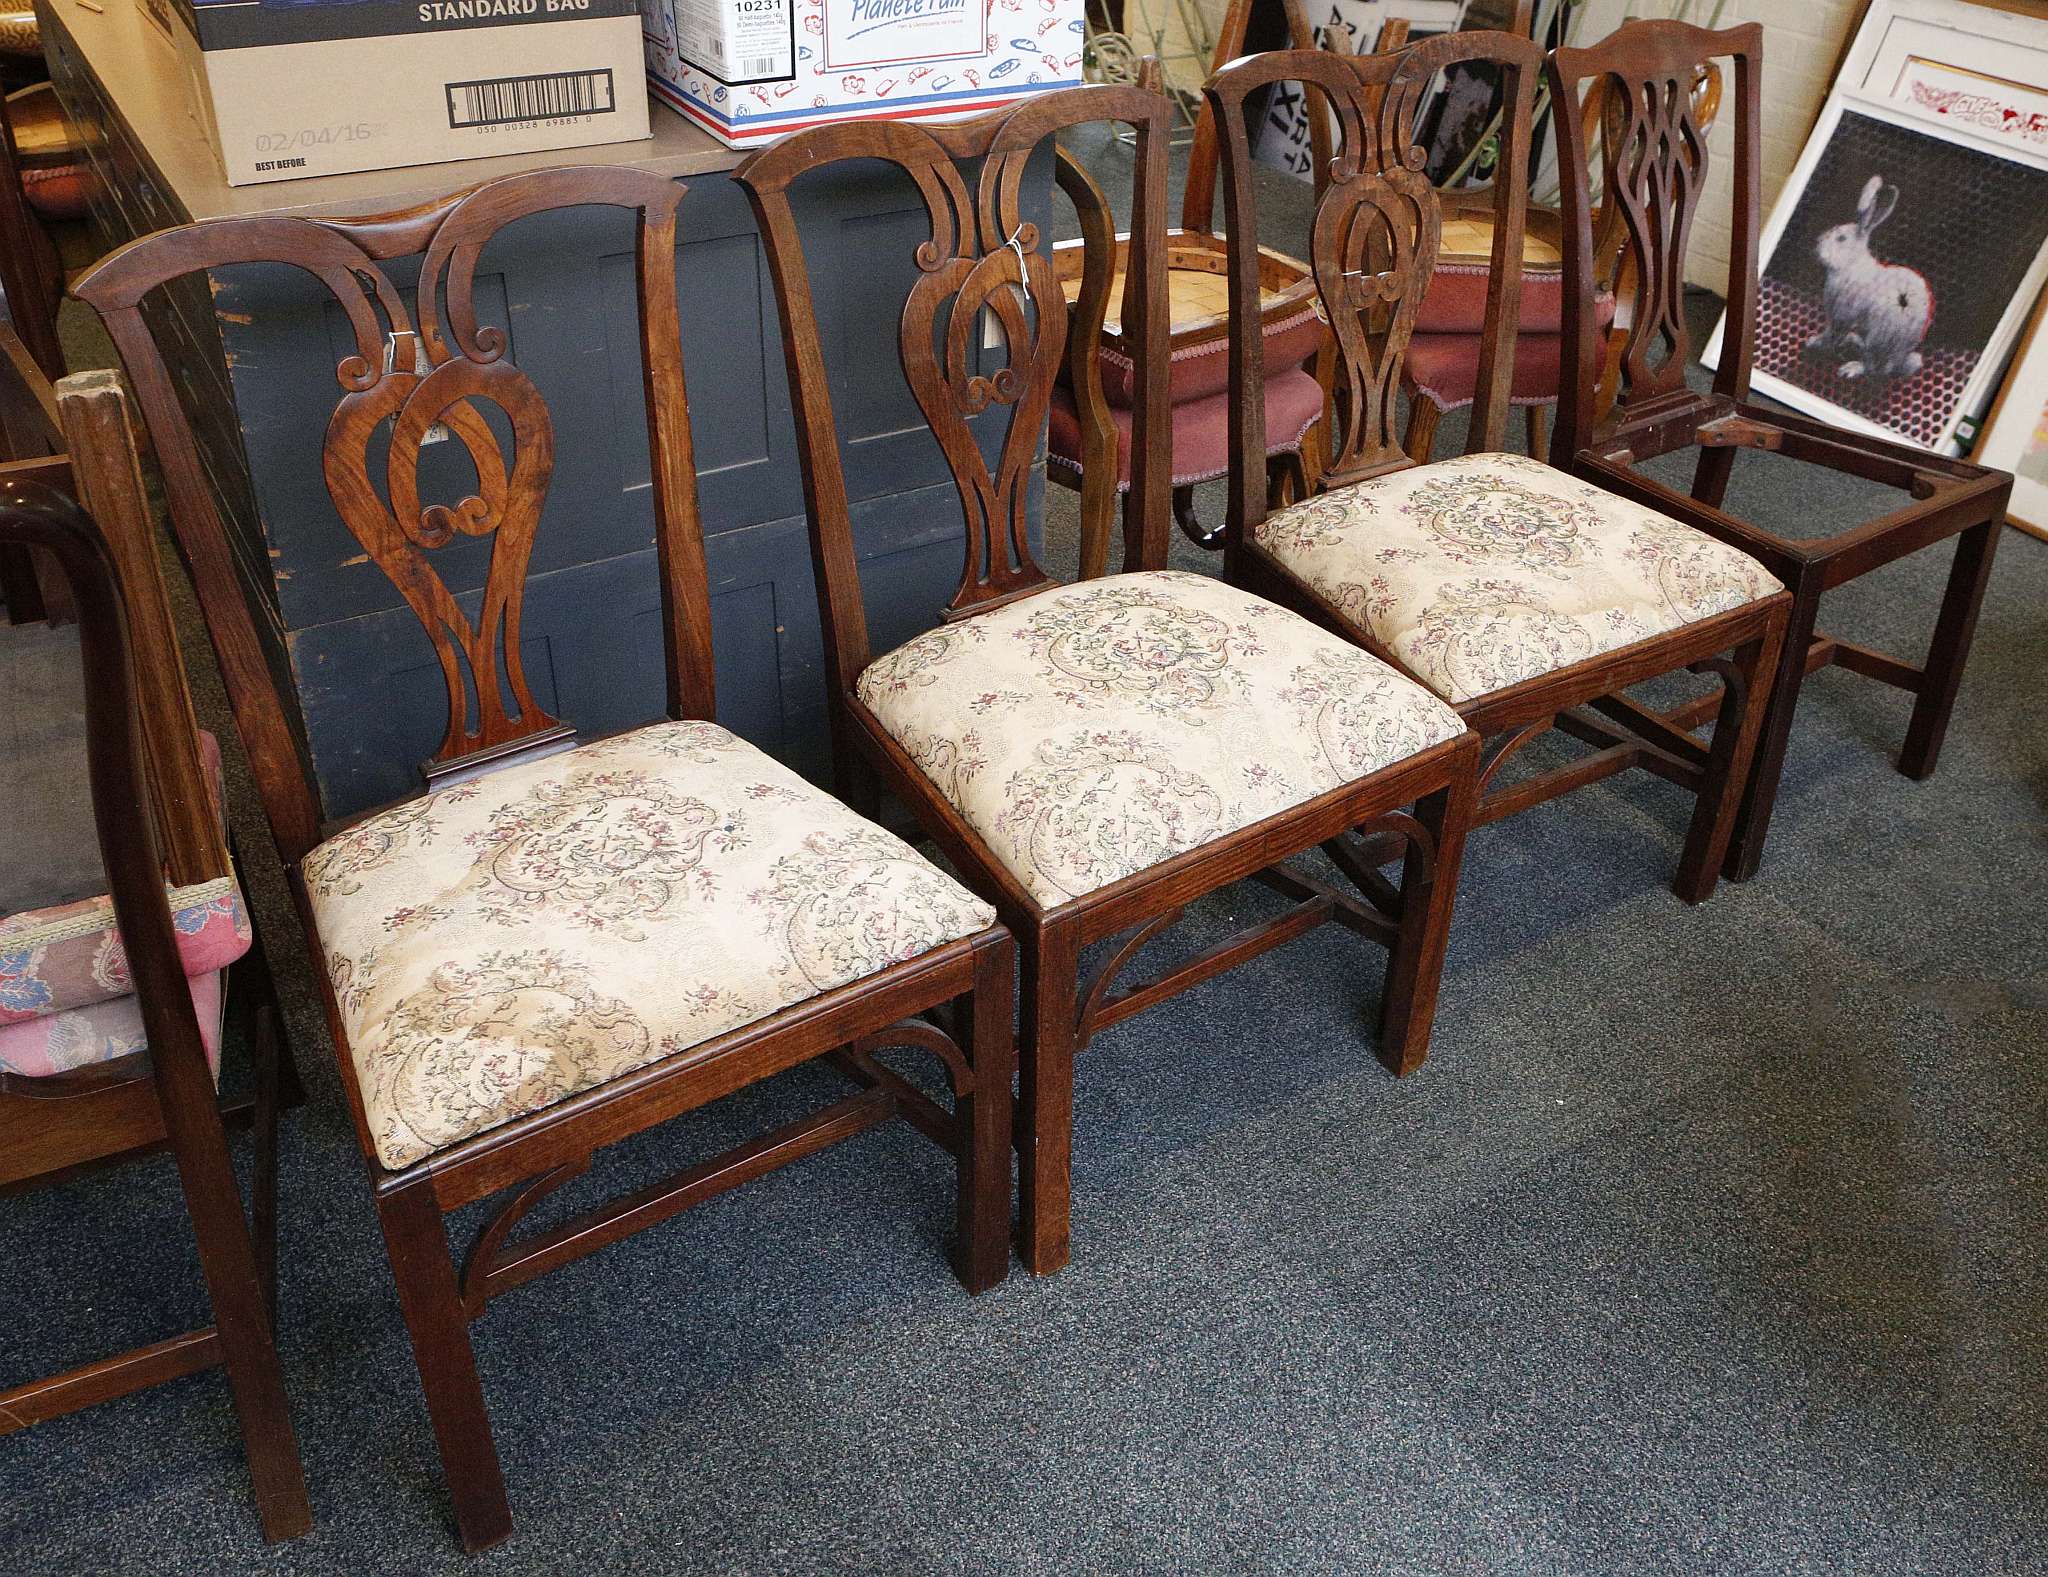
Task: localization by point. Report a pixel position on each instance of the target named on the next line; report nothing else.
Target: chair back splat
(416, 377)
(1654, 168)
(1374, 242)
(981, 256)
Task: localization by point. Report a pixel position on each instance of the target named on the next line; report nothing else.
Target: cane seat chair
(1654, 176)
(1095, 756)
(1525, 598)
(560, 944)
(113, 1008)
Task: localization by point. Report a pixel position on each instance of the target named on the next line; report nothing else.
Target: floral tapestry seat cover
(66, 996)
(1484, 571)
(502, 944)
(1092, 731)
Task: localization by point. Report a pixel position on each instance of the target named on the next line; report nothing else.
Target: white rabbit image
(1878, 313)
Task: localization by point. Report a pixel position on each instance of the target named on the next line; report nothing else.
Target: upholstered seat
(1483, 571)
(65, 991)
(1201, 429)
(502, 944)
(1092, 731)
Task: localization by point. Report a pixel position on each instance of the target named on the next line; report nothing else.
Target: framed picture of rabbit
(1898, 266)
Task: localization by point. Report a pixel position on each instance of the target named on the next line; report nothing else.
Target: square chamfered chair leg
(1045, 1112)
(981, 1255)
(1429, 890)
(1745, 700)
(1954, 629)
(435, 1318)
(1767, 764)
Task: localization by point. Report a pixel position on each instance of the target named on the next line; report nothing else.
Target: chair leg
(1536, 424)
(1429, 891)
(427, 1292)
(1045, 1139)
(263, 1040)
(1753, 820)
(1711, 472)
(1744, 704)
(1421, 435)
(982, 1250)
(241, 1314)
(1950, 649)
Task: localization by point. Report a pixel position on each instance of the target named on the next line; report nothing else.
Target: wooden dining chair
(561, 945)
(113, 1008)
(1654, 176)
(1097, 756)
(1525, 598)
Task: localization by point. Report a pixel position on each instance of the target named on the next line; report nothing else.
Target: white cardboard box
(294, 88)
(750, 70)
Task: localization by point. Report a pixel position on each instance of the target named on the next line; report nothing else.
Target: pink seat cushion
(1199, 371)
(1446, 366)
(1455, 302)
(65, 988)
(1201, 429)
(60, 1042)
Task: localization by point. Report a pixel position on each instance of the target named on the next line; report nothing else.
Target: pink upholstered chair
(111, 1006)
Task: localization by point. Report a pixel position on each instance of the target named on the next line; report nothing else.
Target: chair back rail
(981, 255)
(1374, 243)
(1654, 170)
(420, 375)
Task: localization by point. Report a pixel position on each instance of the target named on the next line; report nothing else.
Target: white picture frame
(1982, 66)
(1952, 434)
(2015, 434)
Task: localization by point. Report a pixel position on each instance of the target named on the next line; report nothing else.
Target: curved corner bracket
(483, 1254)
(925, 1036)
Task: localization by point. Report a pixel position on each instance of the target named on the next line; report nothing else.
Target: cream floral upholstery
(502, 944)
(1483, 571)
(1092, 731)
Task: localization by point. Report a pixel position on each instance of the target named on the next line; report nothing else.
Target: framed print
(2016, 432)
(1898, 266)
(1977, 65)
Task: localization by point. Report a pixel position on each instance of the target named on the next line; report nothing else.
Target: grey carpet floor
(1707, 1241)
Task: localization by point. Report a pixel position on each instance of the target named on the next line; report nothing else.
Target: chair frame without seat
(1655, 413)
(156, 821)
(1061, 1013)
(1380, 206)
(452, 371)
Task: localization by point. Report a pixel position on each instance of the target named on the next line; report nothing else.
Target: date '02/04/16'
(318, 136)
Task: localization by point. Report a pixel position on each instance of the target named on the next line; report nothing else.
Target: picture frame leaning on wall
(2015, 433)
(1871, 314)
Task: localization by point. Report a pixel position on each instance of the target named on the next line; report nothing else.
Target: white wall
(1801, 41)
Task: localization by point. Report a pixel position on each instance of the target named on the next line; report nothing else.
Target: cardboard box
(294, 88)
(750, 70)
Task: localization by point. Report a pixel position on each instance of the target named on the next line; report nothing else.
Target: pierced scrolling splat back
(1374, 243)
(1653, 158)
(415, 378)
(981, 256)
(984, 256)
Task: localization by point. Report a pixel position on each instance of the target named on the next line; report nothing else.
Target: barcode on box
(759, 66)
(503, 101)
